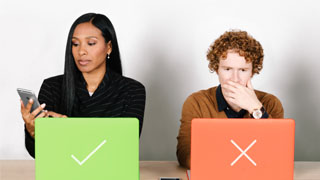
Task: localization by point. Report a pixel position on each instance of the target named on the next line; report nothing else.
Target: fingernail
(30, 100)
(43, 105)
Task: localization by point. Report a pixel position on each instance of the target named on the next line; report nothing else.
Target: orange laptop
(242, 149)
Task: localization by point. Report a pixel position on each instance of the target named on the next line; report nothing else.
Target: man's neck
(234, 107)
(231, 105)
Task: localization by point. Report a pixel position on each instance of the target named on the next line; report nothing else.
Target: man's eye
(227, 69)
(243, 70)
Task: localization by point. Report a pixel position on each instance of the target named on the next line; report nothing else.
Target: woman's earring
(108, 56)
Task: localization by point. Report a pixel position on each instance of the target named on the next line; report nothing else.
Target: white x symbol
(243, 153)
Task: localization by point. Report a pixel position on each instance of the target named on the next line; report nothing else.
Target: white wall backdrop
(163, 45)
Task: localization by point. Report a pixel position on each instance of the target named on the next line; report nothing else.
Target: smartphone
(25, 95)
(169, 178)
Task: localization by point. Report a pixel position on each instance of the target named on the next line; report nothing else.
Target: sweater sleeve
(45, 96)
(190, 110)
(273, 106)
(136, 103)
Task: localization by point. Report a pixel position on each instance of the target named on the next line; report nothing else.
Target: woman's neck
(93, 79)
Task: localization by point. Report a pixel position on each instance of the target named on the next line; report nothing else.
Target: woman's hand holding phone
(54, 114)
(30, 117)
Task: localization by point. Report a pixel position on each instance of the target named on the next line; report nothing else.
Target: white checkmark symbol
(85, 159)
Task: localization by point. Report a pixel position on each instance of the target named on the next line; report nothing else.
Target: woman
(92, 84)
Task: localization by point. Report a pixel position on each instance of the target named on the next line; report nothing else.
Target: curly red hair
(237, 41)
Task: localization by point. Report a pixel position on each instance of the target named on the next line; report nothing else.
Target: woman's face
(89, 48)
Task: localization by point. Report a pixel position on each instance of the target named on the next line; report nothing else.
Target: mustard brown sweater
(203, 104)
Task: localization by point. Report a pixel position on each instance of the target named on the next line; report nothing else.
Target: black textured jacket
(116, 96)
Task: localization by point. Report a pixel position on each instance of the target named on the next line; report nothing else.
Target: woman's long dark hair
(71, 71)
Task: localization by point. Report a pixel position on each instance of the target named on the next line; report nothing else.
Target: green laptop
(87, 148)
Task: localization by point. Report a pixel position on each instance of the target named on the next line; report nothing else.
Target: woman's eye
(91, 43)
(243, 70)
(227, 69)
(74, 44)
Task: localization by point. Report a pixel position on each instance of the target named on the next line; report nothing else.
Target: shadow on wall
(163, 108)
(303, 98)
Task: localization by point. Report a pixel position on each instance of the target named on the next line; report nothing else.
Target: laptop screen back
(87, 148)
(242, 149)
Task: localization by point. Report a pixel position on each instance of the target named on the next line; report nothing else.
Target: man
(235, 56)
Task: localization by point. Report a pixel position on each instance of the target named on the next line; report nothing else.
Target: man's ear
(249, 85)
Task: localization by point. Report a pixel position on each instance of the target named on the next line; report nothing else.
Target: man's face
(234, 68)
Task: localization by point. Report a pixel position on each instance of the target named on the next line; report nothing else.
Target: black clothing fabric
(116, 96)
(223, 106)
